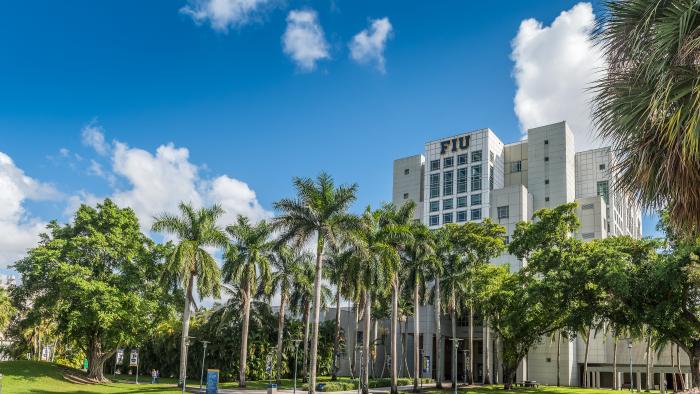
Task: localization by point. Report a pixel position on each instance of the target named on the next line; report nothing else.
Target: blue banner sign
(212, 381)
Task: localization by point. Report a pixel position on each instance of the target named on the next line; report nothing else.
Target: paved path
(381, 390)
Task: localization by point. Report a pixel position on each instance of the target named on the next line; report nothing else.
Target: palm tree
(190, 261)
(648, 106)
(320, 211)
(288, 264)
(454, 288)
(247, 263)
(443, 250)
(337, 265)
(420, 264)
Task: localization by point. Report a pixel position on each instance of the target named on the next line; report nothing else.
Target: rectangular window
(476, 156)
(461, 180)
(476, 177)
(546, 142)
(491, 156)
(462, 159)
(546, 158)
(588, 235)
(461, 216)
(405, 196)
(516, 166)
(461, 202)
(434, 185)
(602, 190)
(447, 203)
(448, 162)
(447, 183)
(476, 214)
(434, 206)
(546, 181)
(490, 177)
(476, 199)
(434, 165)
(503, 212)
(434, 220)
(587, 206)
(506, 240)
(601, 167)
(447, 218)
(406, 171)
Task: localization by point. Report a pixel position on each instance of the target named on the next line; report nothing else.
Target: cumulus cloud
(19, 229)
(367, 47)
(93, 136)
(554, 67)
(303, 40)
(224, 14)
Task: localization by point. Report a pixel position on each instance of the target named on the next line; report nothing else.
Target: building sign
(134, 358)
(454, 144)
(212, 381)
(120, 357)
(426, 364)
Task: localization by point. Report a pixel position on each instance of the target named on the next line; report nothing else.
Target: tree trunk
(244, 336)
(336, 341)
(95, 361)
(487, 355)
(280, 334)
(453, 317)
(680, 371)
(673, 373)
(185, 330)
(438, 336)
(585, 358)
(404, 359)
(471, 343)
(374, 347)
(394, 324)
(305, 360)
(416, 336)
(317, 312)
(364, 369)
(509, 375)
(615, 382)
(351, 349)
(650, 379)
(694, 356)
(558, 358)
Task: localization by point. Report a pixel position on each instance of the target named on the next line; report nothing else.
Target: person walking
(154, 377)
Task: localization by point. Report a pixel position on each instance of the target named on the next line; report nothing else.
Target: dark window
(476, 177)
(461, 216)
(448, 162)
(601, 167)
(434, 185)
(602, 190)
(546, 181)
(546, 158)
(434, 206)
(503, 212)
(506, 240)
(476, 156)
(447, 203)
(516, 166)
(461, 202)
(406, 171)
(462, 159)
(434, 165)
(462, 180)
(405, 196)
(546, 198)
(476, 214)
(447, 218)
(476, 199)
(434, 220)
(447, 186)
(546, 142)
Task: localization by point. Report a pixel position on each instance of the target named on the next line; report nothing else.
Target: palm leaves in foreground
(648, 103)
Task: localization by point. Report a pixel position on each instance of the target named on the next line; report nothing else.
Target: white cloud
(554, 67)
(367, 47)
(303, 40)
(223, 14)
(93, 136)
(19, 229)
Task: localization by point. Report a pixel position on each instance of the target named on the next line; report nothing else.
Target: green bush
(331, 386)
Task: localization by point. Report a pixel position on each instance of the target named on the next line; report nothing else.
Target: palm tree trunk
(673, 374)
(364, 369)
(558, 358)
(336, 341)
(416, 336)
(438, 336)
(453, 317)
(244, 336)
(615, 382)
(280, 334)
(317, 312)
(471, 342)
(185, 329)
(585, 358)
(351, 349)
(394, 324)
(404, 358)
(374, 345)
(649, 377)
(304, 368)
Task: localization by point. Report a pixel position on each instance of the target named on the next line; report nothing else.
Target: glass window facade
(602, 190)
(434, 185)
(447, 218)
(434, 220)
(448, 203)
(476, 178)
(434, 206)
(448, 183)
(448, 162)
(462, 202)
(461, 216)
(461, 180)
(476, 214)
(516, 166)
(434, 165)
(503, 212)
(462, 159)
(475, 199)
(476, 156)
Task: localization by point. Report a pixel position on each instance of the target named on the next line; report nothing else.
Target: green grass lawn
(42, 377)
(521, 390)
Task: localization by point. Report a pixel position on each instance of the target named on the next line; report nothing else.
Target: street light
(204, 357)
(455, 345)
(296, 348)
(184, 375)
(629, 347)
(359, 377)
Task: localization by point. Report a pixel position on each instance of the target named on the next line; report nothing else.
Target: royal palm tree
(648, 104)
(443, 251)
(288, 267)
(420, 263)
(247, 264)
(337, 265)
(189, 261)
(319, 211)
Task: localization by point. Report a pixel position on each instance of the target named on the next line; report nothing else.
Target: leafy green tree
(420, 263)
(288, 264)
(98, 277)
(247, 264)
(648, 105)
(189, 261)
(320, 211)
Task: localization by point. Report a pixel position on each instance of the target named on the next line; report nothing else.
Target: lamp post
(629, 347)
(187, 347)
(204, 357)
(455, 346)
(359, 376)
(296, 348)
(465, 352)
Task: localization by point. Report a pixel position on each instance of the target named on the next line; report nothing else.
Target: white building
(469, 176)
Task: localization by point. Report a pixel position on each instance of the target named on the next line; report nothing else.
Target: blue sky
(239, 104)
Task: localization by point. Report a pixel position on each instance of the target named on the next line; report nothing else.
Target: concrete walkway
(379, 390)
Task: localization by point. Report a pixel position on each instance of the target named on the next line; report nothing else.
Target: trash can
(272, 388)
(321, 387)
